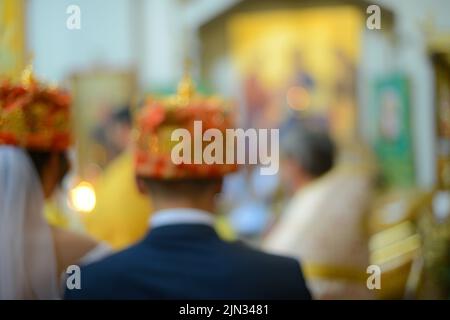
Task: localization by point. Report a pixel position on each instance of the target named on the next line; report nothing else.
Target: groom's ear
(142, 185)
(218, 186)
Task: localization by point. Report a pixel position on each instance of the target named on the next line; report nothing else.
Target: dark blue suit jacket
(190, 261)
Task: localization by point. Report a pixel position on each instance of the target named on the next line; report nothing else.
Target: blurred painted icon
(390, 122)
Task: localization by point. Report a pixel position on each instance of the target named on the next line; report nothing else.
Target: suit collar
(183, 216)
(184, 233)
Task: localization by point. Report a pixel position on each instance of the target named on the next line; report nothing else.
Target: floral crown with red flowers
(34, 116)
(158, 119)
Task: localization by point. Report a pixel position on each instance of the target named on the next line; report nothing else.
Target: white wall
(104, 37)
(153, 35)
(162, 43)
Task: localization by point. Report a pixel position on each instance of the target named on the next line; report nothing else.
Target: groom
(182, 257)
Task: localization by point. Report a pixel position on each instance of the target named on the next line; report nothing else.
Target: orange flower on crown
(33, 115)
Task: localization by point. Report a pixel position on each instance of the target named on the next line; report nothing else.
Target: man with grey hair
(323, 223)
(307, 154)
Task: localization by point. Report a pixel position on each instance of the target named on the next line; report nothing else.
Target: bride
(34, 138)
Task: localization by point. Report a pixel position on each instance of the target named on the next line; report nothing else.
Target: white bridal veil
(27, 258)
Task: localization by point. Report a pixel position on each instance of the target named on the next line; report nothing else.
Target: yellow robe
(121, 213)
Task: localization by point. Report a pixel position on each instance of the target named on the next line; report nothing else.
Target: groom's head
(182, 193)
(182, 181)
